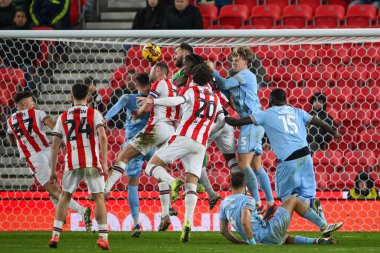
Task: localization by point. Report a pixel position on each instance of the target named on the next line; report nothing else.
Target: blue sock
(264, 181)
(303, 240)
(309, 202)
(251, 181)
(133, 201)
(312, 216)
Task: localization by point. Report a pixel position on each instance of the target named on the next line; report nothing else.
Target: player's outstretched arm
(116, 108)
(320, 123)
(238, 122)
(247, 226)
(103, 148)
(50, 123)
(54, 156)
(169, 101)
(227, 233)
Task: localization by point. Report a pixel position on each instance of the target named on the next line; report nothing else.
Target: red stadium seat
(376, 119)
(319, 76)
(312, 3)
(284, 27)
(265, 15)
(297, 15)
(252, 27)
(263, 94)
(106, 94)
(301, 55)
(343, 3)
(370, 140)
(367, 97)
(329, 15)
(135, 59)
(208, 53)
(269, 160)
(374, 76)
(77, 11)
(376, 177)
(116, 136)
(281, 3)
(359, 160)
(341, 181)
(209, 14)
(285, 76)
(300, 97)
(351, 76)
(355, 119)
(322, 179)
(361, 15)
(327, 161)
(249, 3)
(347, 142)
(233, 15)
(338, 98)
(334, 55)
(221, 27)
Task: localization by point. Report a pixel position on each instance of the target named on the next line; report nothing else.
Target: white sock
(57, 227)
(116, 173)
(164, 189)
(103, 231)
(73, 205)
(135, 221)
(190, 201)
(206, 183)
(159, 173)
(233, 164)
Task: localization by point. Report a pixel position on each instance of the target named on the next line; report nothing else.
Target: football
(151, 52)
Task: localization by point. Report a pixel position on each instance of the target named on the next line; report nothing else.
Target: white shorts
(39, 164)
(190, 153)
(152, 136)
(92, 177)
(224, 140)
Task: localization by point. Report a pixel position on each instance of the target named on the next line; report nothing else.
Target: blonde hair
(244, 53)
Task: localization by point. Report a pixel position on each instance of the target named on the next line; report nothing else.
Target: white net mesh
(345, 69)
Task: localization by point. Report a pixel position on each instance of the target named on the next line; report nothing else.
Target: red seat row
(299, 16)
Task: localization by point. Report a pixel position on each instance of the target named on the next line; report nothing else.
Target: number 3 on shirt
(289, 125)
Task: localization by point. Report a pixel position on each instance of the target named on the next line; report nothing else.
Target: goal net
(333, 74)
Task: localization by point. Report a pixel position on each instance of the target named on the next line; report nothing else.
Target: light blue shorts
(277, 227)
(134, 167)
(250, 139)
(296, 176)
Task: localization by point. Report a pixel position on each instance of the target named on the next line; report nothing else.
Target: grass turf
(154, 242)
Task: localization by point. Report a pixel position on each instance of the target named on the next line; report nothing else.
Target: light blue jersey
(230, 210)
(272, 232)
(243, 89)
(132, 127)
(285, 128)
(129, 103)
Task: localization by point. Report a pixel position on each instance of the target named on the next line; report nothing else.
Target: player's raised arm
(54, 156)
(320, 123)
(239, 122)
(227, 233)
(116, 107)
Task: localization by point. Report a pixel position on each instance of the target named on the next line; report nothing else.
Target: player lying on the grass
(156, 132)
(200, 109)
(243, 89)
(285, 127)
(26, 126)
(240, 211)
(82, 130)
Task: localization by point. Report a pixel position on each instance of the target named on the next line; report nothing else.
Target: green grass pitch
(154, 242)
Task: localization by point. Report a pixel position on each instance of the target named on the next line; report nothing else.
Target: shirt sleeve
(227, 83)
(250, 204)
(156, 89)
(43, 116)
(258, 118)
(58, 128)
(123, 101)
(222, 214)
(305, 116)
(98, 119)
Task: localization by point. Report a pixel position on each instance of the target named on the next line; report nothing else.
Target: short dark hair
(163, 66)
(237, 180)
(201, 74)
(187, 47)
(142, 79)
(21, 95)
(277, 96)
(194, 58)
(90, 80)
(79, 91)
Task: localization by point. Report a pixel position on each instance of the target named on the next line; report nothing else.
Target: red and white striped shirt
(78, 128)
(162, 89)
(27, 127)
(198, 113)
